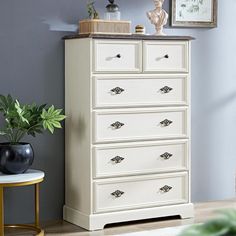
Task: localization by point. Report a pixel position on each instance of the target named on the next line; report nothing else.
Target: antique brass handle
(165, 189)
(117, 193)
(117, 90)
(117, 125)
(117, 159)
(166, 89)
(166, 122)
(166, 155)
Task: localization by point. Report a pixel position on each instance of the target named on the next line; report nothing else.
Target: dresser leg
(37, 205)
(187, 212)
(1, 212)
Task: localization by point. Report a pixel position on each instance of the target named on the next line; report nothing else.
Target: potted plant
(93, 14)
(21, 120)
(224, 225)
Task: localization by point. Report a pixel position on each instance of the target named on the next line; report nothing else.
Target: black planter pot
(15, 158)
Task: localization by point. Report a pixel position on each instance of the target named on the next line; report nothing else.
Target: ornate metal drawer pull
(117, 125)
(117, 193)
(117, 159)
(166, 122)
(166, 155)
(165, 189)
(166, 89)
(166, 56)
(117, 90)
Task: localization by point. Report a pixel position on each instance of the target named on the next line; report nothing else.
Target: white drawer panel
(138, 192)
(165, 56)
(125, 92)
(117, 56)
(140, 158)
(136, 124)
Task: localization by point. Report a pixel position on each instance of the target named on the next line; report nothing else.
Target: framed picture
(194, 13)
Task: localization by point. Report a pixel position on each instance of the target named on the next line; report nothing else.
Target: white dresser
(127, 102)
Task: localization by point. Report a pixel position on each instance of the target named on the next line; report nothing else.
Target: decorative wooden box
(104, 27)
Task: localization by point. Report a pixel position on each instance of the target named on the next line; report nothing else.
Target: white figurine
(158, 17)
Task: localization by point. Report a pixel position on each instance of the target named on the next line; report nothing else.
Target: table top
(28, 176)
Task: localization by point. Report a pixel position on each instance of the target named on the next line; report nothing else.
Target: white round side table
(30, 177)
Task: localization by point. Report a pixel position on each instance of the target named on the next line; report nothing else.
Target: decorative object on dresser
(104, 27)
(127, 99)
(140, 29)
(21, 120)
(92, 12)
(111, 25)
(192, 13)
(112, 11)
(158, 17)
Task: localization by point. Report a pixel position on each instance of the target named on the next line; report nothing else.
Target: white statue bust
(158, 17)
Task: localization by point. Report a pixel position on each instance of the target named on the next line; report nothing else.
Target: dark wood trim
(128, 37)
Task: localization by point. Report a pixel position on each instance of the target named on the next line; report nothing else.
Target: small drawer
(139, 192)
(144, 91)
(140, 124)
(140, 158)
(166, 56)
(117, 56)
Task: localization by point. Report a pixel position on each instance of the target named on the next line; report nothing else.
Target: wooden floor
(203, 212)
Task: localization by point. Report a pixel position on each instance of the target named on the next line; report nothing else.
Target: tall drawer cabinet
(127, 144)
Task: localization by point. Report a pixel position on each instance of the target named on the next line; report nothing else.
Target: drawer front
(137, 192)
(140, 158)
(166, 56)
(126, 92)
(117, 56)
(139, 124)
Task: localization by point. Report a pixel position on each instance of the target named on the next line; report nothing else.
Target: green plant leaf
(50, 127)
(51, 118)
(28, 119)
(51, 109)
(21, 112)
(213, 228)
(228, 214)
(56, 124)
(222, 226)
(2, 133)
(6, 103)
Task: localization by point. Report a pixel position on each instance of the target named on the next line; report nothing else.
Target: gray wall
(31, 69)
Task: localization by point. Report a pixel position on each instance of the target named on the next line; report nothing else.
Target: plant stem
(11, 135)
(8, 137)
(20, 136)
(15, 136)
(32, 127)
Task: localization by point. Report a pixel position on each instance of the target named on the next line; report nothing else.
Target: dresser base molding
(98, 221)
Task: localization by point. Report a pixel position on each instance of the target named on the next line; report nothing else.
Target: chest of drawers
(127, 140)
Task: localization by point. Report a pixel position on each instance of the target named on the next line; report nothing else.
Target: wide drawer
(166, 56)
(117, 56)
(143, 91)
(140, 124)
(138, 192)
(140, 158)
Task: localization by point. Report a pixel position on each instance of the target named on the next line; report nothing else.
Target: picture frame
(194, 13)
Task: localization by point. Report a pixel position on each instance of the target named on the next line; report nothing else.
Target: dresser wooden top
(131, 37)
